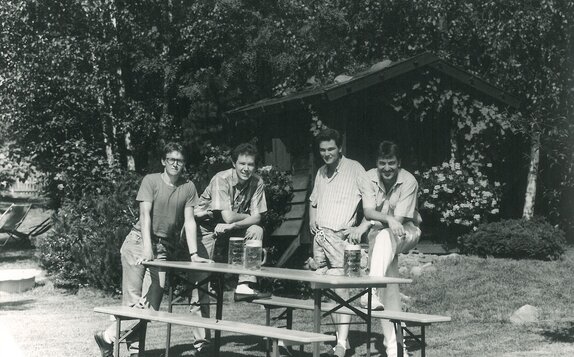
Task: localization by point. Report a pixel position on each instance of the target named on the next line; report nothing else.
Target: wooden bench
(186, 319)
(396, 317)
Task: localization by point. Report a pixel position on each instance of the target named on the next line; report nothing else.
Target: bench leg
(117, 341)
(423, 341)
(143, 333)
(267, 323)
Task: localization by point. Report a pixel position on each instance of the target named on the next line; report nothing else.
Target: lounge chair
(11, 220)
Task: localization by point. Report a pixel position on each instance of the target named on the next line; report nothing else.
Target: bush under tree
(515, 238)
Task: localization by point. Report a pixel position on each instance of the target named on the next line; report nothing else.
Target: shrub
(515, 238)
(83, 246)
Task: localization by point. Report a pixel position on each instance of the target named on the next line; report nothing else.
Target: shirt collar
(374, 176)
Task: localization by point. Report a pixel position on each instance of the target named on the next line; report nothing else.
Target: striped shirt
(400, 201)
(337, 197)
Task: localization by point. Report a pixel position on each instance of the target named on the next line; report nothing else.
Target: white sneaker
(376, 304)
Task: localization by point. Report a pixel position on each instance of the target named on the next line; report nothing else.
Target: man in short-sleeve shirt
(391, 206)
(232, 205)
(166, 202)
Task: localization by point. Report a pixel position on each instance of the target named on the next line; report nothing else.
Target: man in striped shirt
(339, 186)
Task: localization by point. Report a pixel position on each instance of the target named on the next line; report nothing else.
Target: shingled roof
(374, 76)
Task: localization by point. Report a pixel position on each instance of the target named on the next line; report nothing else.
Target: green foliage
(83, 248)
(278, 184)
(458, 196)
(278, 194)
(515, 238)
(13, 166)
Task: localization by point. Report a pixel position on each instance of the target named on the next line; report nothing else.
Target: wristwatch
(192, 254)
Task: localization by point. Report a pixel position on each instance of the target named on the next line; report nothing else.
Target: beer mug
(254, 255)
(352, 260)
(235, 251)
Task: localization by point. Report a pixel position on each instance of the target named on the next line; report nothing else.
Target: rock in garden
(526, 314)
(403, 271)
(416, 271)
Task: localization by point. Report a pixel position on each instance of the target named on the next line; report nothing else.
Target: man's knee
(254, 232)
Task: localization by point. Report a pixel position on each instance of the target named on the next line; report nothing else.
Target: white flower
(476, 217)
(458, 172)
(494, 211)
(426, 190)
(496, 184)
(457, 221)
(470, 181)
(489, 165)
(60, 187)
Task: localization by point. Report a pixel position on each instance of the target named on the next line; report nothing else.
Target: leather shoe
(237, 297)
(107, 349)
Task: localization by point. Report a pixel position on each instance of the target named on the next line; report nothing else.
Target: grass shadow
(16, 305)
(561, 332)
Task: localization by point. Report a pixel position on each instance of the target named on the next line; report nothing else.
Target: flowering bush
(278, 193)
(278, 184)
(458, 196)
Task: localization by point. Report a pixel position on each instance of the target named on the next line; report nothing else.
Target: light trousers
(384, 248)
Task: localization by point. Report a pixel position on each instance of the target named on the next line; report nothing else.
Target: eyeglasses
(173, 161)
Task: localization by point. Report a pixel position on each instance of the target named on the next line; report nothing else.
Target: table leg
(169, 309)
(218, 311)
(317, 320)
(400, 339)
(369, 334)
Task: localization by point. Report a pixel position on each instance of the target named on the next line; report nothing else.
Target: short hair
(244, 149)
(172, 146)
(328, 135)
(388, 149)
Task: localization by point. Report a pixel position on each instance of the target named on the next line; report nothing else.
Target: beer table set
(322, 285)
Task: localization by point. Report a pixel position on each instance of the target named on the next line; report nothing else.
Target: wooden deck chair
(11, 220)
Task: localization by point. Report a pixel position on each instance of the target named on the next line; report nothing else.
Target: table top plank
(316, 280)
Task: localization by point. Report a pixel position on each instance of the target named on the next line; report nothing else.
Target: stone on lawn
(525, 314)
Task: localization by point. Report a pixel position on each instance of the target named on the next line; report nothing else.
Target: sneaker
(338, 351)
(376, 304)
(200, 348)
(106, 348)
(244, 292)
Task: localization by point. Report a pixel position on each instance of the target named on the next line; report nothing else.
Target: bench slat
(213, 324)
(408, 317)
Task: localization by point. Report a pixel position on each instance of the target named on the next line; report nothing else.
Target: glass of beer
(254, 255)
(235, 251)
(352, 260)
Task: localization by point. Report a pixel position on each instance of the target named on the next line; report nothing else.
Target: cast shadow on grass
(16, 305)
(562, 332)
(243, 345)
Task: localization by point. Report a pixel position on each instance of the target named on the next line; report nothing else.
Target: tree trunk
(530, 195)
(130, 161)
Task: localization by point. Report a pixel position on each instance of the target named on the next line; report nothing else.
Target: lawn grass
(479, 295)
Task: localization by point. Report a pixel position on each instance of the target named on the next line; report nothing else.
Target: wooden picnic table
(322, 285)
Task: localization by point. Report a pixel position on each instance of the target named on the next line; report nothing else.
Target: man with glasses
(166, 205)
